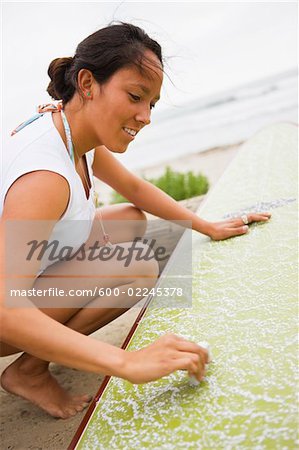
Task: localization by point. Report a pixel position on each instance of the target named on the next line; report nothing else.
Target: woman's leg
(123, 223)
(109, 215)
(28, 376)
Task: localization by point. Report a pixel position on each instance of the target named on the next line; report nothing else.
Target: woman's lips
(130, 132)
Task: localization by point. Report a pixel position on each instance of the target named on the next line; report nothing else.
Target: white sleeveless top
(39, 146)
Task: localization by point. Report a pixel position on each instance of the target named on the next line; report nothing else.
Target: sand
(23, 425)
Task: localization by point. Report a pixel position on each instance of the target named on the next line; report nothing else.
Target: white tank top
(39, 146)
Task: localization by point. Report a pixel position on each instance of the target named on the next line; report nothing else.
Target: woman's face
(122, 106)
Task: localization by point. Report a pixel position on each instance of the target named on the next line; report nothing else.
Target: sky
(208, 47)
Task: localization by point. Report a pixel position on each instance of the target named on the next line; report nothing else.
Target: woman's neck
(82, 138)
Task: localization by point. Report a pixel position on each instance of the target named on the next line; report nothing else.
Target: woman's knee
(133, 212)
(137, 219)
(146, 267)
(123, 223)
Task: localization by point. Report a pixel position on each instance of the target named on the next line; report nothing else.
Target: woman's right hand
(164, 356)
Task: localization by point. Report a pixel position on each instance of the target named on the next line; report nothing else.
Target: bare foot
(30, 378)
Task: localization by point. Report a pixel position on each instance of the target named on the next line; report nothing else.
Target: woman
(107, 91)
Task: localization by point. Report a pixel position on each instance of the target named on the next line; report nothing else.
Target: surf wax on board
(193, 381)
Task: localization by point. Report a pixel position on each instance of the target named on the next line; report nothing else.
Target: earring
(88, 94)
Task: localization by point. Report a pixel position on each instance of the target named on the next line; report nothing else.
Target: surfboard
(244, 303)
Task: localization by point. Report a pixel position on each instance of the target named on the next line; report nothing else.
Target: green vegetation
(176, 184)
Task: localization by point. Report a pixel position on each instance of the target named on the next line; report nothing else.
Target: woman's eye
(136, 98)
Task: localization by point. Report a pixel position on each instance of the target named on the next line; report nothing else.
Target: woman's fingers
(195, 358)
(192, 369)
(251, 217)
(192, 363)
(236, 231)
(235, 227)
(164, 356)
(258, 217)
(188, 346)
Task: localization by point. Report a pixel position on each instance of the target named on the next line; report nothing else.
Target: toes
(81, 407)
(68, 412)
(83, 398)
(81, 402)
(59, 413)
(70, 408)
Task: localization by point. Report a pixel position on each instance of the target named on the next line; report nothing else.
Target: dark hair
(103, 53)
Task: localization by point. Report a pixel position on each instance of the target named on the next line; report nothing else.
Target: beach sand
(23, 425)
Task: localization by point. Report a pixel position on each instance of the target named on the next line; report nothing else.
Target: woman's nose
(144, 116)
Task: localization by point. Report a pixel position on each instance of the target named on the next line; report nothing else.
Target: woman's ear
(85, 81)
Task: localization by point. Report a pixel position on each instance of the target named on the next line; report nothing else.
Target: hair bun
(103, 53)
(59, 85)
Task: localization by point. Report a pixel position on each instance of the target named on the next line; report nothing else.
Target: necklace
(49, 107)
(72, 152)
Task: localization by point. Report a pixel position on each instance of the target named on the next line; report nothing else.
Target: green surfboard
(245, 305)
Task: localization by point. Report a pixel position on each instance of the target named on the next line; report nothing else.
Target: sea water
(222, 119)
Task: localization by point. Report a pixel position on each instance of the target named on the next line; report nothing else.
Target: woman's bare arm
(149, 198)
(43, 196)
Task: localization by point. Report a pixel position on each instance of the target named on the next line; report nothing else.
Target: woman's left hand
(235, 227)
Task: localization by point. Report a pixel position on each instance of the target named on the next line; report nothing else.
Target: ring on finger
(244, 218)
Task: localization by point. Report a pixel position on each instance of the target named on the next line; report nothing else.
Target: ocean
(222, 119)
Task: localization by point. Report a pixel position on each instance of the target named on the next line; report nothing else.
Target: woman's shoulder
(38, 145)
(32, 131)
(33, 142)
(34, 155)
(37, 195)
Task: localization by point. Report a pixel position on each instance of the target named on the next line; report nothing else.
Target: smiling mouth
(130, 132)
